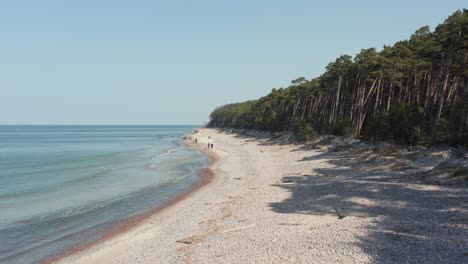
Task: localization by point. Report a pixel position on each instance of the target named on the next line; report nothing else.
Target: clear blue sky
(172, 62)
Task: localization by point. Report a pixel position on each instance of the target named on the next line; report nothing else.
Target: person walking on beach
(209, 142)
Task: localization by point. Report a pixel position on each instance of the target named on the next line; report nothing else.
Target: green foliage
(298, 80)
(414, 92)
(343, 127)
(420, 137)
(304, 131)
(402, 124)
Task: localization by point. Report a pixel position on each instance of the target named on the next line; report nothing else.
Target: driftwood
(199, 237)
(237, 229)
(290, 224)
(186, 241)
(340, 216)
(193, 239)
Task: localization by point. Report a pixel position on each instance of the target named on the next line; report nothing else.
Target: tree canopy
(414, 92)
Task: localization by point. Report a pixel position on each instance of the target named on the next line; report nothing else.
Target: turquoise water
(61, 186)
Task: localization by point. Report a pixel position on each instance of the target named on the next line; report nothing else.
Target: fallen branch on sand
(340, 216)
(192, 239)
(228, 214)
(236, 229)
(231, 200)
(199, 237)
(291, 224)
(287, 181)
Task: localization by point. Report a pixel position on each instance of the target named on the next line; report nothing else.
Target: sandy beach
(283, 203)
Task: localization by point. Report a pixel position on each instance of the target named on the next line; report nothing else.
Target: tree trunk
(439, 111)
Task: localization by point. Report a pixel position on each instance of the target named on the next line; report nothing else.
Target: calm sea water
(61, 186)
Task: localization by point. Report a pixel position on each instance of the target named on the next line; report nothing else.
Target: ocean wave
(56, 186)
(64, 214)
(74, 163)
(168, 152)
(153, 166)
(61, 191)
(184, 176)
(65, 229)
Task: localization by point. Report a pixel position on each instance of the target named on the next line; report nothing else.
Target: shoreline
(285, 203)
(207, 175)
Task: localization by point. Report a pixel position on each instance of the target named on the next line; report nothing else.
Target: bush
(304, 131)
(420, 137)
(342, 127)
(402, 124)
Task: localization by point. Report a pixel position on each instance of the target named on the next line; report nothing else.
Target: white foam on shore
(183, 177)
(170, 151)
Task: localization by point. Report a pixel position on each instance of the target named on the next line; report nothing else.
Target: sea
(65, 186)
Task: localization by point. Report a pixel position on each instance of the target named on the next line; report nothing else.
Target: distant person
(196, 141)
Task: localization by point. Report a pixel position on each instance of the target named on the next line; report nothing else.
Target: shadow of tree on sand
(262, 138)
(412, 223)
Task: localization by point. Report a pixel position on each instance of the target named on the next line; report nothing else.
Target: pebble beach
(284, 203)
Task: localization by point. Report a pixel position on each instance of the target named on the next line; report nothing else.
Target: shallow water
(61, 186)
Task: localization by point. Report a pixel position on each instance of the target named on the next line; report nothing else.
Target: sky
(172, 62)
